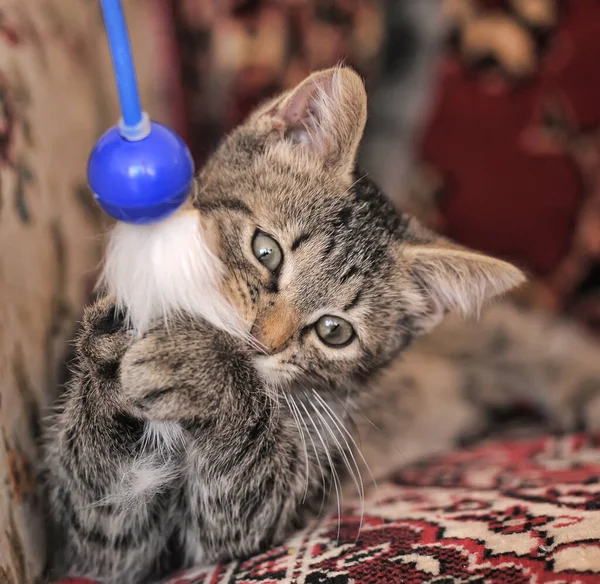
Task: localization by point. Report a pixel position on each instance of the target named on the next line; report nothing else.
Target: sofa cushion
(56, 97)
(504, 512)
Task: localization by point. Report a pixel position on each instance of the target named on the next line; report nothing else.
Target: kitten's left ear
(325, 115)
(455, 279)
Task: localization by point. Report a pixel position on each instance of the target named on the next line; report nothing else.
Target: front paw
(165, 375)
(103, 338)
(149, 377)
(188, 371)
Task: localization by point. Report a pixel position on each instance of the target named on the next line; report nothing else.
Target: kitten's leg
(449, 386)
(249, 479)
(416, 409)
(514, 356)
(107, 484)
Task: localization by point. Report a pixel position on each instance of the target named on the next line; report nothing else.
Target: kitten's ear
(456, 279)
(325, 115)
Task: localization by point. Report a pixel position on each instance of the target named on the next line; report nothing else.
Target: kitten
(469, 378)
(191, 445)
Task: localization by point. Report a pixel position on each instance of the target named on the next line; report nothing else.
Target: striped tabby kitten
(189, 445)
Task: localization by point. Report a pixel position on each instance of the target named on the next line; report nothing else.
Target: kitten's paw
(156, 377)
(187, 371)
(103, 338)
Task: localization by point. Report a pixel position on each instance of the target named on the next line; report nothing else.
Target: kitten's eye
(334, 331)
(267, 251)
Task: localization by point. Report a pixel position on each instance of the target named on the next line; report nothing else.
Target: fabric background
(56, 97)
(510, 155)
(509, 512)
(508, 159)
(508, 163)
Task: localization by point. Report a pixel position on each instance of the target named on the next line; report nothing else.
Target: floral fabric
(56, 98)
(509, 512)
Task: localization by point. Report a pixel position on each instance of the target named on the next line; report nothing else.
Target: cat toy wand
(157, 262)
(140, 171)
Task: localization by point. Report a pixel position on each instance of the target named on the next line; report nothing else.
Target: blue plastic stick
(141, 171)
(116, 29)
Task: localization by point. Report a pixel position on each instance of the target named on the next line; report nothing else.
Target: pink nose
(268, 345)
(275, 330)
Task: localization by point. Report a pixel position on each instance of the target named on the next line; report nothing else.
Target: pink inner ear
(325, 116)
(299, 113)
(297, 108)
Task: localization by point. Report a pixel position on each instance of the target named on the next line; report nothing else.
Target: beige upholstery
(56, 96)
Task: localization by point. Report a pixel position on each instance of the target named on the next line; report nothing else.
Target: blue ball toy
(141, 181)
(139, 171)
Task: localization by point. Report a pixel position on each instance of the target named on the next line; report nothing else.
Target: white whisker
(355, 446)
(354, 184)
(342, 451)
(316, 454)
(358, 480)
(334, 475)
(253, 342)
(337, 481)
(313, 446)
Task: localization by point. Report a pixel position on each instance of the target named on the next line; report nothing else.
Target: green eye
(267, 251)
(334, 331)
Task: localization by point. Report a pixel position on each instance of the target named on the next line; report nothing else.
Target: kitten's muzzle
(274, 328)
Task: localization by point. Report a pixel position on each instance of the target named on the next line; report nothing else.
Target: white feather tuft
(158, 270)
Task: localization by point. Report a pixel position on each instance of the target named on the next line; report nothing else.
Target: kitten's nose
(276, 327)
(258, 345)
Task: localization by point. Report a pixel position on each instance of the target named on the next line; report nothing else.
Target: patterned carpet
(507, 512)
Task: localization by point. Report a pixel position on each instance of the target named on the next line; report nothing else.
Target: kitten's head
(331, 279)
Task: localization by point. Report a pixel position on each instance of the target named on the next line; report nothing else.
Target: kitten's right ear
(325, 116)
